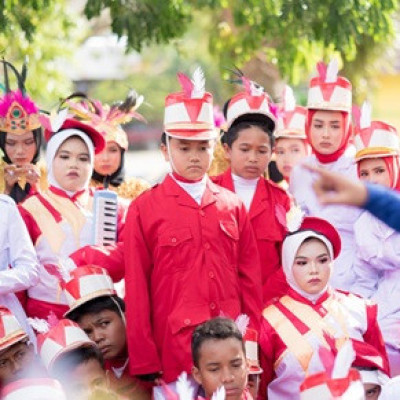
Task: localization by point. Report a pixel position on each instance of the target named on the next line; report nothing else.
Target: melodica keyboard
(105, 213)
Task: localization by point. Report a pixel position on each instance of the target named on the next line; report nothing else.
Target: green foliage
(45, 32)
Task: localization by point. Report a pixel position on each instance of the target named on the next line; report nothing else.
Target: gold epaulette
(220, 163)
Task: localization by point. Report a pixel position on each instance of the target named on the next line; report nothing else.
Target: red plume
(247, 84)
(186, 83)
(321, 68)
(168, 392)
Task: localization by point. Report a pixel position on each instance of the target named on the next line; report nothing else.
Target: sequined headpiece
(18, 113)
(105, 118)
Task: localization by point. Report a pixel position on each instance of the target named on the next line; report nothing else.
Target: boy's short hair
(218, 328)
(72, 359)
(97, 305)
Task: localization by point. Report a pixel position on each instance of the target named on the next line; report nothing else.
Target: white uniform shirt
(341, 217)
(17, 252)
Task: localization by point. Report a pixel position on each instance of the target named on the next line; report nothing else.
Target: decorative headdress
(292, 119)
(189, 113)
(105, 118)
(253, 100)
(65, 336)
(338, 381)
(374, 138)
(18, 113)
(87, 283)
(33, 389)
(11, 331)
(328, 91)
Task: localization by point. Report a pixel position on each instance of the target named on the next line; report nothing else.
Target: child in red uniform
(248, 145)
(190, 252)
(219, 359)
(189, 249)
(94, 305)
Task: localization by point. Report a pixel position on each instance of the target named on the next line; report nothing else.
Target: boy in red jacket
(190, 253)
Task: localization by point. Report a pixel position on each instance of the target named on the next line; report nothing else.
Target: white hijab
(290, 247)
(52, 147)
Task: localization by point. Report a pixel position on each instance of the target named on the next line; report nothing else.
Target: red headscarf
(346, 135)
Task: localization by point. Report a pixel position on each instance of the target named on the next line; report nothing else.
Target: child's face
(71, 165)
(108, 161)
(312, 266)
(80, 381)
(190, 158)
(222, 362)
(372, 391)
(253, 385)
(107, 330)
(15, 361)
(375, 170)
(288, 152)
(327, 130)
(20, 148)
(250, 153)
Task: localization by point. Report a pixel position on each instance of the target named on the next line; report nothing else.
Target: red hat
(338, 381)
(60, 339)
(253, 100)
(250, 340)
(291, 119)
(33, 389)
(328, 91)
(322, 227)
(62, 121)
(189, 113)
(11, 331)
(87, 283)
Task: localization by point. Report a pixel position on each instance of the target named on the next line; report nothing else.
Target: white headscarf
(290, 247)
(54, 144)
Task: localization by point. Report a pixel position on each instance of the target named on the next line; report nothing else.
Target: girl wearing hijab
(377, 269)
(60, 220)
(20, 141)
(109, 164)
(328, 130)
(312, 315)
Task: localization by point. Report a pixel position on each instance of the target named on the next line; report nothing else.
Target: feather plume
(26, 103)
(289, 102)
(343, 361)
(219, 394)
(52, 319)
(242, 322)
(184, 387)
(356, 113)
(365, 117)
(39, 325)
(24, 72)
(274, 110)
(169, 394)
(199, 83)
(332, 71)
(186, 84)
(321, 68)
(294, 218)
(247, 84)
(280, 214)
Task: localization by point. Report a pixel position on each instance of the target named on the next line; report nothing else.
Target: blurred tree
(289, 35)
(47, 33)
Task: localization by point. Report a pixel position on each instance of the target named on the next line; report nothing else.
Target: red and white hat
(320, 386)
(60, 339)
(375, 138)
(292, 119)
(253, 100)
(338, 381)
(33, 389)
(328, 91)
(189, 113)
(250, 340)
(87, 283)
(11, 331)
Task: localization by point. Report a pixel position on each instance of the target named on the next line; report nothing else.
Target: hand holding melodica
(333, 188)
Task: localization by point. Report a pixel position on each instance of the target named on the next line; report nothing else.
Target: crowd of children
(235, 287)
